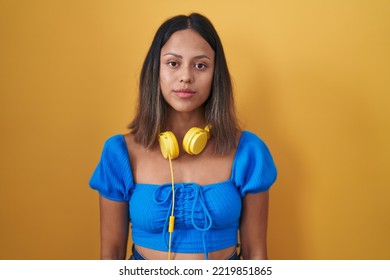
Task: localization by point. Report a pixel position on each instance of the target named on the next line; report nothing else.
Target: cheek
(207, 82)
(164, 81)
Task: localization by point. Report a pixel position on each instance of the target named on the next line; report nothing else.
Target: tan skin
(187, 61)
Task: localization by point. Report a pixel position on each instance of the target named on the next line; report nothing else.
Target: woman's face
(186, 70)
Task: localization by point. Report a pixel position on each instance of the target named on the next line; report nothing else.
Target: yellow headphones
(194, 142)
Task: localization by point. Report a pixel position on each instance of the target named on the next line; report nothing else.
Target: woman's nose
(186, 75)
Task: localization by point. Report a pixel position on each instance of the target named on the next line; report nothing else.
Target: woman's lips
(184, 93)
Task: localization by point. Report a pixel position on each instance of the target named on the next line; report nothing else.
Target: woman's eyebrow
(181, 57)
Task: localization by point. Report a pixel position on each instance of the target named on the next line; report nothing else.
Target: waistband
(136, 255)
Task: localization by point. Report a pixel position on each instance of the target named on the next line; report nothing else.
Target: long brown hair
(219, 107)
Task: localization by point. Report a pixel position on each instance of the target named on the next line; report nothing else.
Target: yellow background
(312, 78)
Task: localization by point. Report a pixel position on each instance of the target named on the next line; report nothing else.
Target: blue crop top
(207, 217)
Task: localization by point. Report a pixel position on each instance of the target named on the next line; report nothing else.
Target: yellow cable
(173, 187)
(172, 217)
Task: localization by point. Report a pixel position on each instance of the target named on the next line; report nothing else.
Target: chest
(214, 206)
(149, 167)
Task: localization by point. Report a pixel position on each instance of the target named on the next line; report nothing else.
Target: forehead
(187, 42)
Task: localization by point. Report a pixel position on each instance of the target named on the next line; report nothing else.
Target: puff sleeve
(112, 176)
(254, 169)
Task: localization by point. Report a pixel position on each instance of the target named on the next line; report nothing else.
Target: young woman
(186, 178)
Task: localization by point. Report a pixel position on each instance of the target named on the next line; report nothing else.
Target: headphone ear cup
(195, 140)
(168, 145)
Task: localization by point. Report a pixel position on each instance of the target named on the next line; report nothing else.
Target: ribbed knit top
(207, 217)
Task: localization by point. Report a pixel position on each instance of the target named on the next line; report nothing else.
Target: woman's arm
(114, 229)
(253, 228)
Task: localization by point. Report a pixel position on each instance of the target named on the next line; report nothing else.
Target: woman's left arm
(253, 228)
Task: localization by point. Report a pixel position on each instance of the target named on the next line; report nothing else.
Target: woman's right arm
(114, 229)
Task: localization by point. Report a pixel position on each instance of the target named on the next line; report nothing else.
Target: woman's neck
(179, 123)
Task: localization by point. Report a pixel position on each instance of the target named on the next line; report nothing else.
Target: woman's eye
(172, 63)
(200, 66)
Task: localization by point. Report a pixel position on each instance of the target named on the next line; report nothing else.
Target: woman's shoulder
(115, 144)
(254, 169)
(252, 148)
(249, 137)
(115, 139)
(112, 176)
